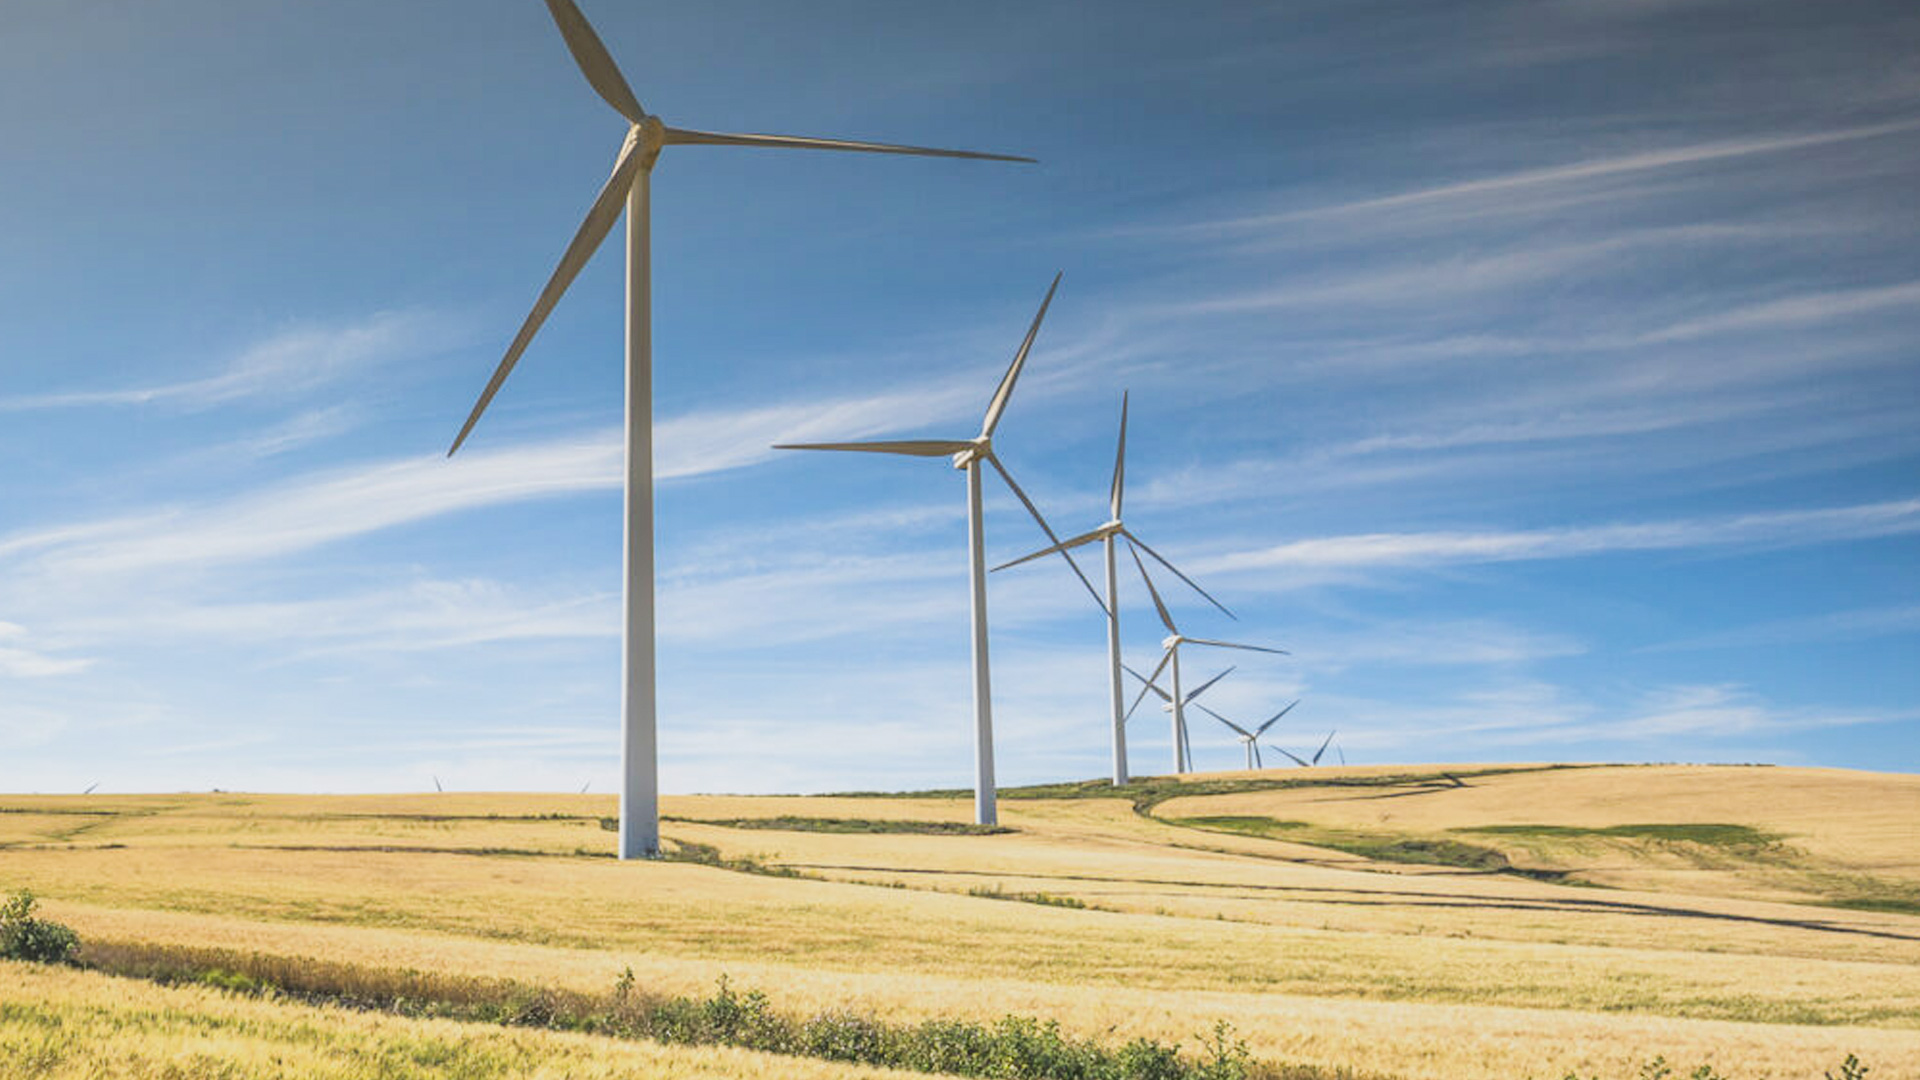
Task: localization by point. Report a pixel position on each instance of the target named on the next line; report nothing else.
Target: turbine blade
(1297, 759)
(1276, 716)
(1148, 684)
(1046, 528)
(594, 60)
(1083, 538)
(1198, 690)
(600, 218)
(1151, 591)
(999, 403)
(910, 447)
(1323, 748)
(1183, 577)
(1222, 719)
(1158, 668)
(1237, 645)
(691, 137)
(1118, 492)
(1257, 762)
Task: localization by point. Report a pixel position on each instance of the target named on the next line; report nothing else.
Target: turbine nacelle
(978, 449)
(1171, 642)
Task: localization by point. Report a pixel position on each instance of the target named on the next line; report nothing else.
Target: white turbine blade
(1198, 690)
(1117, 493)
(1083, 538)
(1148, 684)
(1045, 528)
(1176, 573)
(1158, 668)
(1342, 753)
(594, 60)
(600, 218)
(1151, 591)
(1276, 716)
(691, 137)
(1223, 719)
(436, 784)
(1297, 759)
(1237, 645)
(1323, 748)
(910, 447)
(1257, 762)
(1005, 391)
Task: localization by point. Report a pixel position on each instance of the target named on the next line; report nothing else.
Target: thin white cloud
(1792, 311)
(1389, 550)
(310, 511)
(1832, 626)
(287, 363)
(1507, 185)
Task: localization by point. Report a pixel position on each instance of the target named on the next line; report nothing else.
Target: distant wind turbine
(967, 454)
(436, 784)
(90, 788)
(1106, 534)
(1247, 738)
(1186, 741)
(1171, 656)
(629, 188)
(1317, 754)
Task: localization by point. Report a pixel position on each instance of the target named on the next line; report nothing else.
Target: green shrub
(23, 937)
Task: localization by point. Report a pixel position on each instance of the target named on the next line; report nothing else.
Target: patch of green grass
(796, 823)
(1898, 905)
(995, 892)
(1381, 847)
(1243, 823)
(1705, 833)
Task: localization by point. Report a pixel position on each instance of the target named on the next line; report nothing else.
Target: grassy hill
(1497, 921)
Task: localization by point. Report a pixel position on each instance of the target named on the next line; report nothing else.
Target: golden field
(1761, 920)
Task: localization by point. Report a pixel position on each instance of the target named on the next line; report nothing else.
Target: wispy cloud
(286, 364)
(21, 662)
(1389, 550)
(1507, 186)
(1832, 626)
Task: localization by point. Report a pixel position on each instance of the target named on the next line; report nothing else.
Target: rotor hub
(981, 447)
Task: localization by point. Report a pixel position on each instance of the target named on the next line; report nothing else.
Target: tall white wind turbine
(1171, 656)
(967, 454)
(1115, 529)
(629, 189)
(1247, 737)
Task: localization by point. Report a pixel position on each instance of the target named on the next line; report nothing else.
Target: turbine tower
(1247, 737)
(1107, 534)
(629, 189)
(1171, 655)
(967, 454)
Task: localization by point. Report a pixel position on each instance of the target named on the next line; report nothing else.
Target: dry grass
(60, 1023)
(1315, 956)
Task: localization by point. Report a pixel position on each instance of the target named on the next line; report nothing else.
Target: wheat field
(1760, 920)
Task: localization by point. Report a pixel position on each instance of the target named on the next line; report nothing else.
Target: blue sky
(1543, 375)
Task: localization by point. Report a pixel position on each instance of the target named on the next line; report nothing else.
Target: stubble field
(1498, 921)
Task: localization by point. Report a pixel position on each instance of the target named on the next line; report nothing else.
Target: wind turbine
(1247, 737)
(1106, 534)
(1185, 742)
(1171, 655)
(1317, 754)
(967, 454)
(436, 785)
(629, 188)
